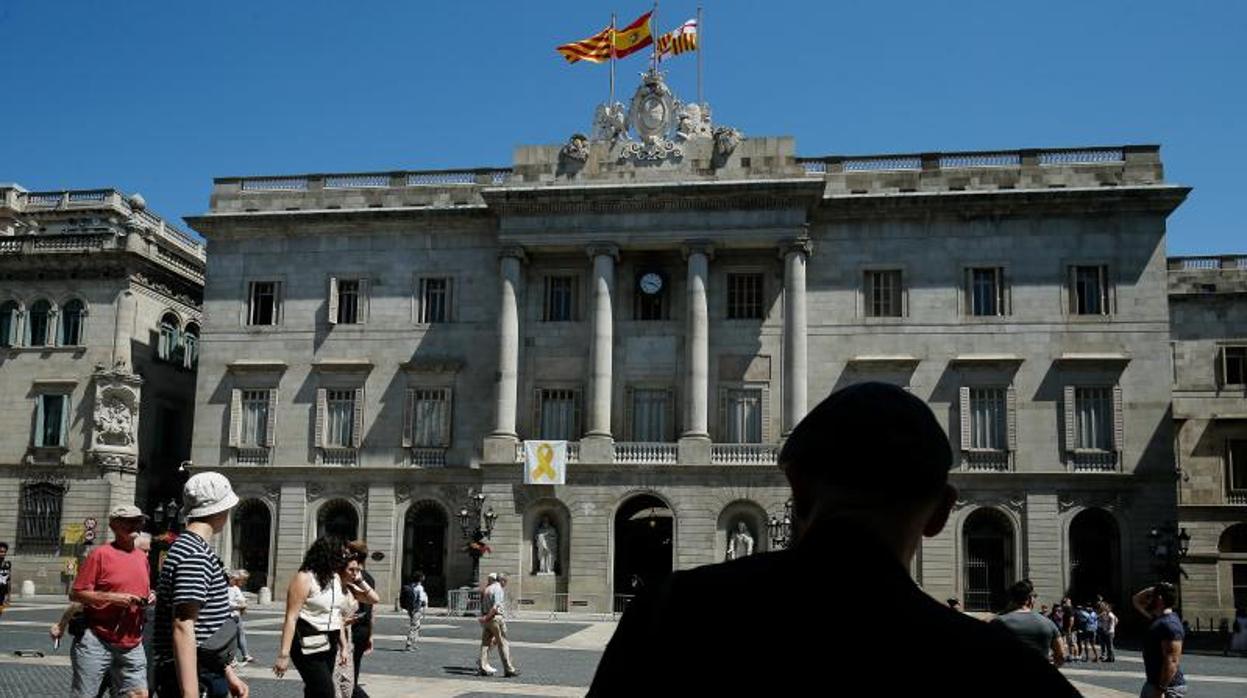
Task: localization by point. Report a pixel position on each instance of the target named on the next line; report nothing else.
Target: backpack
(407, 597)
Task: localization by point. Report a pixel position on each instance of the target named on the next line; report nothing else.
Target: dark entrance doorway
(252, 529)
(424, 548)
(338, 518)
(644, 533)
(1094, 557)
(988, 546)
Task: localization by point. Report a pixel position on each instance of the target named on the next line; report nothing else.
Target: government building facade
(99, 326)
(670, 296)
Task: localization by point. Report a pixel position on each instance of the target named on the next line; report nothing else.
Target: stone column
(123, 331)
(596, 445)
(695, 440)
(796, 335)
(500, 445)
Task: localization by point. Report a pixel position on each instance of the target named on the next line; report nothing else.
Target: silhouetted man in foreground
(838, 610)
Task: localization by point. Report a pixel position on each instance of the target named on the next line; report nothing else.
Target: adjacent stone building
(1208, 307)
(670, 296)
(99, 319)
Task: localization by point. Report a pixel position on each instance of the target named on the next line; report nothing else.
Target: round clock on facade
(651, 283)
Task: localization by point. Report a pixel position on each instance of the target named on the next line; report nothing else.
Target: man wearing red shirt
(114, 586)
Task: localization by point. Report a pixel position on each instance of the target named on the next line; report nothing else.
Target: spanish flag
(595, 49)
(633, 37)
(682, 39)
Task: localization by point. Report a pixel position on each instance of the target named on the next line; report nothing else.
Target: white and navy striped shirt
(192, 573)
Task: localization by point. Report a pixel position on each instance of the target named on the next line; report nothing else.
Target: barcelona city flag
(682, 39)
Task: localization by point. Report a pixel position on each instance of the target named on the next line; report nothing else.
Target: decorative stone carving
(1111, 501)
(726, 139)
(610, 123)
(658, 150)
(546, 547)
(693, 121)
(115, 420)
(653, 110)
(360, 493)
(1012, 501)
(315, 490)
(576, 150)
(740, 542)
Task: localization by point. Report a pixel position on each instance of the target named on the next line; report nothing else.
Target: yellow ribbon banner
(545, 462)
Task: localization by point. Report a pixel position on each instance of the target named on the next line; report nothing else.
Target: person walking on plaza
(1088, 626)
(1033, 629)
(1107, 632)
(361, 629)
(114, 587)
(6, 573)
(1162, 645)
(494, 628)
(1068, 620)
(238, 608)
(413, 600)
(868, 469)
(195, 639)
(313, 635)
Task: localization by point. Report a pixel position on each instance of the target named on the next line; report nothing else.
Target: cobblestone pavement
(557, 658)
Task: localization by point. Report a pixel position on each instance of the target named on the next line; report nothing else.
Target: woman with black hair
(316, 608)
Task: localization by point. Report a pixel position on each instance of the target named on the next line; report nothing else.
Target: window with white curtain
(744, 416)
(650, 415)
(430, 417)
(339, 418)
(1093, 408)
(254, 418)
(987, 419)
(559, 413)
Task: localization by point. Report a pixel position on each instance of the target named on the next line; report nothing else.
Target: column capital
(689, 247)
(514, 251)
(599, 249)
(800, 244)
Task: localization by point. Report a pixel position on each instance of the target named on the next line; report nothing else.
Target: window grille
(39, 519)
(744, 296)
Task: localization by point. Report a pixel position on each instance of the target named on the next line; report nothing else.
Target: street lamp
(476, 529)
(1169, 545)
(781, 529)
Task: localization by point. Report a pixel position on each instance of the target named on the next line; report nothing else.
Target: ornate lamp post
(1169, 546)
(780, 530)
(476, 527)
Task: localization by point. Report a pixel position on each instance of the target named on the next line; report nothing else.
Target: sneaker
(248, 659)
(486, 672)
(512, 673)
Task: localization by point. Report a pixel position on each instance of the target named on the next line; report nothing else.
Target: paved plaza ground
(557, 658)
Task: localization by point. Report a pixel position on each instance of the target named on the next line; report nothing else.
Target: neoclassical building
(99, 323)
(669, 296)
(1209, 316)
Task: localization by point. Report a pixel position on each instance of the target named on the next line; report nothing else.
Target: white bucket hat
(206, 494)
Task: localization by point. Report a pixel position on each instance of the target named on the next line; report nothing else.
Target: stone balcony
(668, 453)
(1192, 276)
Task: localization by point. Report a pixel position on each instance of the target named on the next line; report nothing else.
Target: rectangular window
(985, 291)
(52, 421)
(558, 414)
(264, 303)
(988, 414)
(883, 293)
(1233, 366)
(340, 418)
(1089, 290)
(1093, 408)
(435, 300)
(744, 416)
(560, 299)
(39, 519)
(1236, 449)
(255, 418)
(1238, 582)
(744, 296)
(430, 410)
(348, 301)
(651, 410)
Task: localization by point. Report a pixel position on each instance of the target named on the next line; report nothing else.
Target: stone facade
(86, 278)
(1030, 285)
(1209, 318)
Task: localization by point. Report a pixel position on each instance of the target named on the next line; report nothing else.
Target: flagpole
(701, 35)
(653, 27)
(611, 103)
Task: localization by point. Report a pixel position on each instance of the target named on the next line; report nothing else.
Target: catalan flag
(633, 37)
(683, 38)
(595, 49)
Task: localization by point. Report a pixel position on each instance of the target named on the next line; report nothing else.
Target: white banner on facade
(545, 462)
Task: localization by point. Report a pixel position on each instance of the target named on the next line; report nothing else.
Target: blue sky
(160, 96)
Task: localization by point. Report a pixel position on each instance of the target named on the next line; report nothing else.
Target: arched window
(168, 346)
(190, 346)
(72, 316)
(8, 324)
(37, 326)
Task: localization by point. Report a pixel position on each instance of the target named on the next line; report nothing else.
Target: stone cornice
(622, 198)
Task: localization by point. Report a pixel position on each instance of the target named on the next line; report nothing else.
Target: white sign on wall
(545, 462)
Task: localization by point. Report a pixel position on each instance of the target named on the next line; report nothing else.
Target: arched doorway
(338, 518)
(1094, 557)
(252, 528)
(1233, 549)
(644, 537)
(988, 544)
(424, 548)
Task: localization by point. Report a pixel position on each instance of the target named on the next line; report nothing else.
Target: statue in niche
(114, 422)
(739, 543)
(546, 542)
